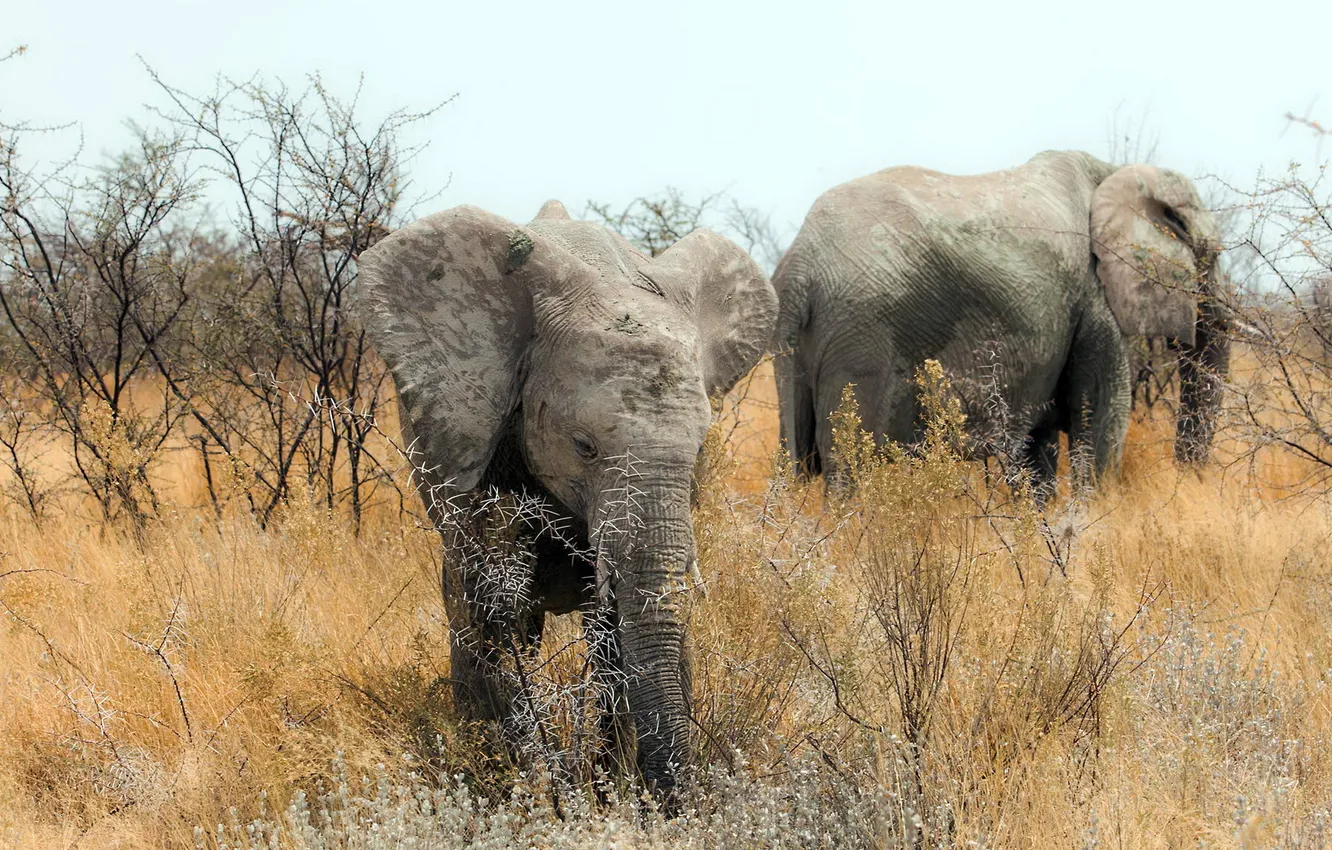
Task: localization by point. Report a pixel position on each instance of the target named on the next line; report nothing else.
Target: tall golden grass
(1146, 668)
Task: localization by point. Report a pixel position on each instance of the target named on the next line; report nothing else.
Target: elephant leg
(485, 657)
(1041, 462)
(472, 648)
(491, 665)
(476, 661)
(827, 397)
(885, 403)
(1094, 397)
(472, 665)
(796, 402)
(489, 585)
(826, 402)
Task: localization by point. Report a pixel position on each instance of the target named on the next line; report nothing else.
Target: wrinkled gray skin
(535, 360)
(1034, 276)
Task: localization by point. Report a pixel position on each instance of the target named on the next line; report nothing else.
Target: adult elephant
(557, 363)
(1023, 283)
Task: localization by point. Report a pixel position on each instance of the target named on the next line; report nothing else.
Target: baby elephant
(555, 362)
(1023, 283)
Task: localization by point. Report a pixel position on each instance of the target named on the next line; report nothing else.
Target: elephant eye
(1175, 223)
(584, 445)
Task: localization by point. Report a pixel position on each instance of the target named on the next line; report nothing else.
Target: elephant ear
(448, 303)
(1153, 242)
(731, 299)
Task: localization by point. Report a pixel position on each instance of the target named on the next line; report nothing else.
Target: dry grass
(1151, 669)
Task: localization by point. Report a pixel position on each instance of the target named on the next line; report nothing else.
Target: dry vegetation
(924, 661)
(221, 614)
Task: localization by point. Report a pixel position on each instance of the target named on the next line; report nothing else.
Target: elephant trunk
(647, 571)
(1202, 373)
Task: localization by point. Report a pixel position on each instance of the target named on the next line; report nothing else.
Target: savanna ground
(929, 663)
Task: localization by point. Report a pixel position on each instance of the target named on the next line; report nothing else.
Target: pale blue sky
(774, 101)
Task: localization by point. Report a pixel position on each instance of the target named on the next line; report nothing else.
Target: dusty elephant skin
(1023, 283)
(555, 361)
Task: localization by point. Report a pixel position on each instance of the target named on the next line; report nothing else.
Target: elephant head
(602, 362)
(1156, 247)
